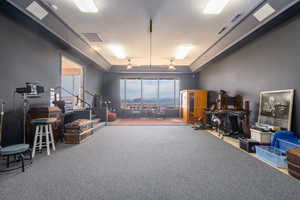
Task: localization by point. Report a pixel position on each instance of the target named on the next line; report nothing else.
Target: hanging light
(171, 65)
(129, 65)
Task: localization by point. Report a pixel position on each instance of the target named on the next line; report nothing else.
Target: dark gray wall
(111, 84)
(30, 57)
(270, 62)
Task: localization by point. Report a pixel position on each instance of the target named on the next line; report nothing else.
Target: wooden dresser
(45, 112)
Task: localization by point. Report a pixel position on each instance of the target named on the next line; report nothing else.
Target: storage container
(248, 144)
(78, 131)
(293, 157)
(77, 138)
(288, 143)
(271, 155)
(261, 136)
(294, 170)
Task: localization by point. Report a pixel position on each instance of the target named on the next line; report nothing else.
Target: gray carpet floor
(141, 163)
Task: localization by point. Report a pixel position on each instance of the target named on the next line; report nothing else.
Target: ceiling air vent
(36, 10)
(264, 12)
(92, 37)
(222, 30)
(236, 18)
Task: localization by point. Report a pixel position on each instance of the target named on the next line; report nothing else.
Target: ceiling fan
(172, 65)
(130, 64)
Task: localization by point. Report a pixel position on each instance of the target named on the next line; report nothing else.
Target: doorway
(72, 83)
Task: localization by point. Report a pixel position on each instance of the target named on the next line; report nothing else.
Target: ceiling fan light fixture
(215, 7)
(171, 65)
(117, 50)
(86, 6)
(183, 51)
(129, 65)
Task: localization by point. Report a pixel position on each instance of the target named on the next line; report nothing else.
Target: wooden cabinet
(192, 104)
(45, 112)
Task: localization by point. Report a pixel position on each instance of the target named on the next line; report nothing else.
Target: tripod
(1, 120)
(25, 105)
(17, 151)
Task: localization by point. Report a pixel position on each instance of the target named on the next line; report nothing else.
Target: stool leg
(41, 137)
(47, 139)
(7, 161)
(35, 141)
(22, 160)
(51, 136)
(30, 155)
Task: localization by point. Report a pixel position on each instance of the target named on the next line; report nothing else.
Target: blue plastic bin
(288, 143)
(272, 155)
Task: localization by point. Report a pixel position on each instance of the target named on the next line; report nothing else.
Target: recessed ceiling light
(183, 51)
(96, 48)
(117, 50)
(87, 6)
(215, 7)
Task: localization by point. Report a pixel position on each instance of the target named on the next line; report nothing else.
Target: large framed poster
(275, 108)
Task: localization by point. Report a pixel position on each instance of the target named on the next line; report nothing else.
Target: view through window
(164, 92)
(72, 83)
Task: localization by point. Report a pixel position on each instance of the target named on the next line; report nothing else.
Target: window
(166, 92)
(133, 91)
(72, 83)
(150, 91)
(177, 92)
(122, 91)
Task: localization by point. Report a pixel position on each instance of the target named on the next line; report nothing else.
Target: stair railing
(94, 96)
(77, 99)
(91, 94)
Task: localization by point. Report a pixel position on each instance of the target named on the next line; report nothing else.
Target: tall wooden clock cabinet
(192, 104)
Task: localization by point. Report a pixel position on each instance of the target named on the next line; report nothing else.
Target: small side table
(17, 150)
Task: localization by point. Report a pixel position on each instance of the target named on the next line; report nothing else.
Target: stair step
(94, 116)
(96, 120)
(98, 125)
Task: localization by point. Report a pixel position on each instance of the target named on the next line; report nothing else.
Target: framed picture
(275, 108)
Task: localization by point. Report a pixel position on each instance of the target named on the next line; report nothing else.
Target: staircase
(97, 122)
(87, 111)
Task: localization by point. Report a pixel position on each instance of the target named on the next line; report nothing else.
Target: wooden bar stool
(43, 134)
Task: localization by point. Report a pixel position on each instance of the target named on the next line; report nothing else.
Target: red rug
(148, 121)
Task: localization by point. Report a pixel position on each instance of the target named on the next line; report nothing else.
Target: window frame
(142, 103)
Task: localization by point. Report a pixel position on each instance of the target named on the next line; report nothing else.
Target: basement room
(149, 99)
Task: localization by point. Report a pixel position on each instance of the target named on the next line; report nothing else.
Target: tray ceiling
(175, 22)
